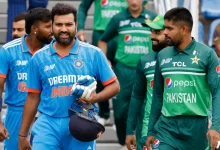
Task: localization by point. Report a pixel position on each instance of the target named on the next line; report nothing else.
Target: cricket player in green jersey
(133, 42)
(104, 10)
(142, 90)
(185, 75)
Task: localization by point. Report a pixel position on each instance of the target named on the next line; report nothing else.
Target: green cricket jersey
(185, 82)
(133, 39)
(142, 91)
(103, 12)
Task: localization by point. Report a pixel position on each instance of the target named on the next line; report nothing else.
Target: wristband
(21, 135)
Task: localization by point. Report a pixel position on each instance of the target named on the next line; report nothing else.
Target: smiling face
(64, 28)
(158, 39)
(173, 33)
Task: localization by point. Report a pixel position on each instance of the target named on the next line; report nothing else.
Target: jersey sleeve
(104, 73)
(137, 99)
(146, 118)
(157, 101)
(33, 82)
(82, 13)
(214, 84)
(111, 30)
(4, 63)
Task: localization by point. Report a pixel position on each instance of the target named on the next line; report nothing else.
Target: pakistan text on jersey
(136, 50)
(63, 79)
(181, 97)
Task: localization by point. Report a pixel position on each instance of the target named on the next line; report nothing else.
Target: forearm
(30, 110)
(109, 91)
(103, 46)
(82, 13)
(1, 93)
(216, 114)
(134, 109)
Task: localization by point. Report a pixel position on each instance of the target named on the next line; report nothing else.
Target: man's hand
(3, 133)
(213, 137)
(84, 89)
(23, 143)
(149, 142)
(81, 35)
(131, 142)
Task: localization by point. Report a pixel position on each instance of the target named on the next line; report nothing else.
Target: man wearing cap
(142, 91)
(133, 42)
(216, 40)
(187, 82)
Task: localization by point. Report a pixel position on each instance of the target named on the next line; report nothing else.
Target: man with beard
(14, 63)
(18, 26)
(142, 91)
(54, 70)
(185, 75)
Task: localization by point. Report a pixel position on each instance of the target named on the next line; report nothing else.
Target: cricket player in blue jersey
(14, 60)
(54, 70)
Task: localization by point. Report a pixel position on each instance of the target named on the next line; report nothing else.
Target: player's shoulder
(88, 47)
(166, 51)
(203, 48)
(12, 44)
(149, 57)
(149, 14)
(42, 52)
(121, 15)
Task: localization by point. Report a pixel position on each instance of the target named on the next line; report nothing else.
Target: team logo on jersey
(156, 143)
(128, 38)
(144, 148)
(169, 83)
(152, 83)
(104, 3)
(78, 63)
(89, 148)
(218, 69)
(195, 60)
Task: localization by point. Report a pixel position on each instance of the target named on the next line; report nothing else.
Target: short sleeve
(33, 82)
(4, 63)
(103, 70)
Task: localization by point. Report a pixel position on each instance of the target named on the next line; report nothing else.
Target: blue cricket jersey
(14, 58)
(53, 76)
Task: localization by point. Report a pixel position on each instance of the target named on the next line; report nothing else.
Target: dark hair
(180, 15)
(20, 17)
(63, 9)
(34, 16)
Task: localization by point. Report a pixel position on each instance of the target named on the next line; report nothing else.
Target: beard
(15, 37)
(43, 39)
(161, 45)
(175, 43)
(64, 41)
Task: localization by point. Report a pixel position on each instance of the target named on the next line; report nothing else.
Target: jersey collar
(24, 44)
(188, 50)
(73, 50)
